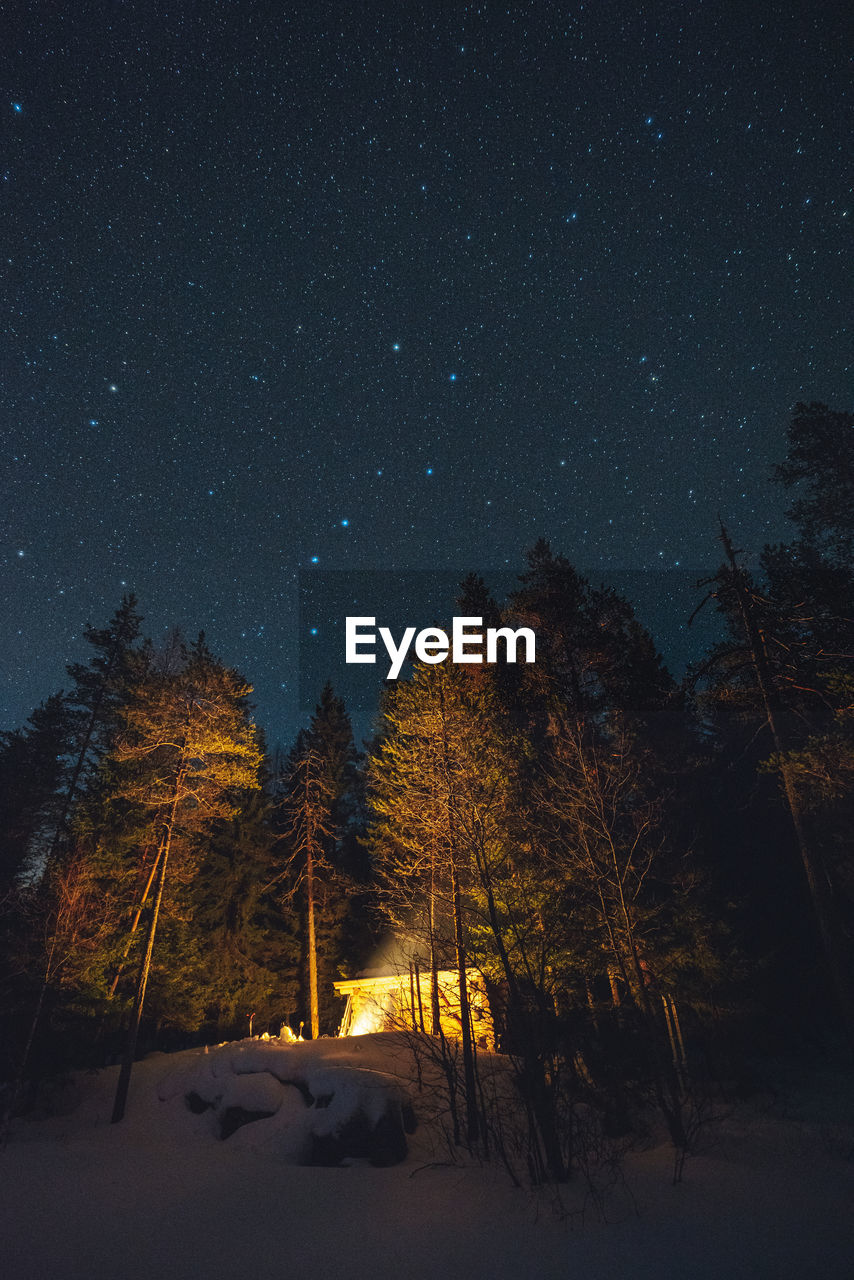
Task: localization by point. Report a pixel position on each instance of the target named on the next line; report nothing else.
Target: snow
(770, 1194)
(309, 1092)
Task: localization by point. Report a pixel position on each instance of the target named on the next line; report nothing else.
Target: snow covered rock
(304, 1103)
(360, 1114)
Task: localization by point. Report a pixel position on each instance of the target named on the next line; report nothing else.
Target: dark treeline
(655, 879)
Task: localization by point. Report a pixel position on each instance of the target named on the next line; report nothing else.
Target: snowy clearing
(769, 1195)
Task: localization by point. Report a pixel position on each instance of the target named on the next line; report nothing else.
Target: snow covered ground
(770, 1195)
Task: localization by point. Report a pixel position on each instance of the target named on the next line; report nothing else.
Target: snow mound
(302, 1103)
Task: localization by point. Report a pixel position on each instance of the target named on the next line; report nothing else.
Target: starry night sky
(388, 286)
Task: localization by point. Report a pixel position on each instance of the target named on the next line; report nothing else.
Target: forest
(655, 878)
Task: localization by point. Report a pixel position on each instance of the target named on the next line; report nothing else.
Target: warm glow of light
(368, 1020)
(390, 1003)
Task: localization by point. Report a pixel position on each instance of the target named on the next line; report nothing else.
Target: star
(542, 368)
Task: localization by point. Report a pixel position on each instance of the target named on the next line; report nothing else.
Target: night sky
(303, 287)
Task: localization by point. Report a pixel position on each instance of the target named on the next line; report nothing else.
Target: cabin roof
(375, 982)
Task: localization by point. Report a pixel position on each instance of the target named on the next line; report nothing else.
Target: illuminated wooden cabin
(401, 1002)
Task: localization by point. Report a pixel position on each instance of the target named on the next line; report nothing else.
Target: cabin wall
(394, 1005)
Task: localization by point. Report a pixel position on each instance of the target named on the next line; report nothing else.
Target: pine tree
(321, 815)
(309, 829)
(51, 767)
(65, 917)
(32, 777)
(811, 582)
(592, 653)
(99, 690)
(251, 957)
(187, 746)
(608, 738)
(819, 465)
(779, 690)
(439, 784)
(766, 674)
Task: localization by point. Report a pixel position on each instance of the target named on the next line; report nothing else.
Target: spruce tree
(251, 956)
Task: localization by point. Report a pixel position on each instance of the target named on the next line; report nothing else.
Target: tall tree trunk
(133, 1029)
(136, 918)
(472, 1119)
(418, 997)
(145, 966)
(312, 946)
(435, 1012)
